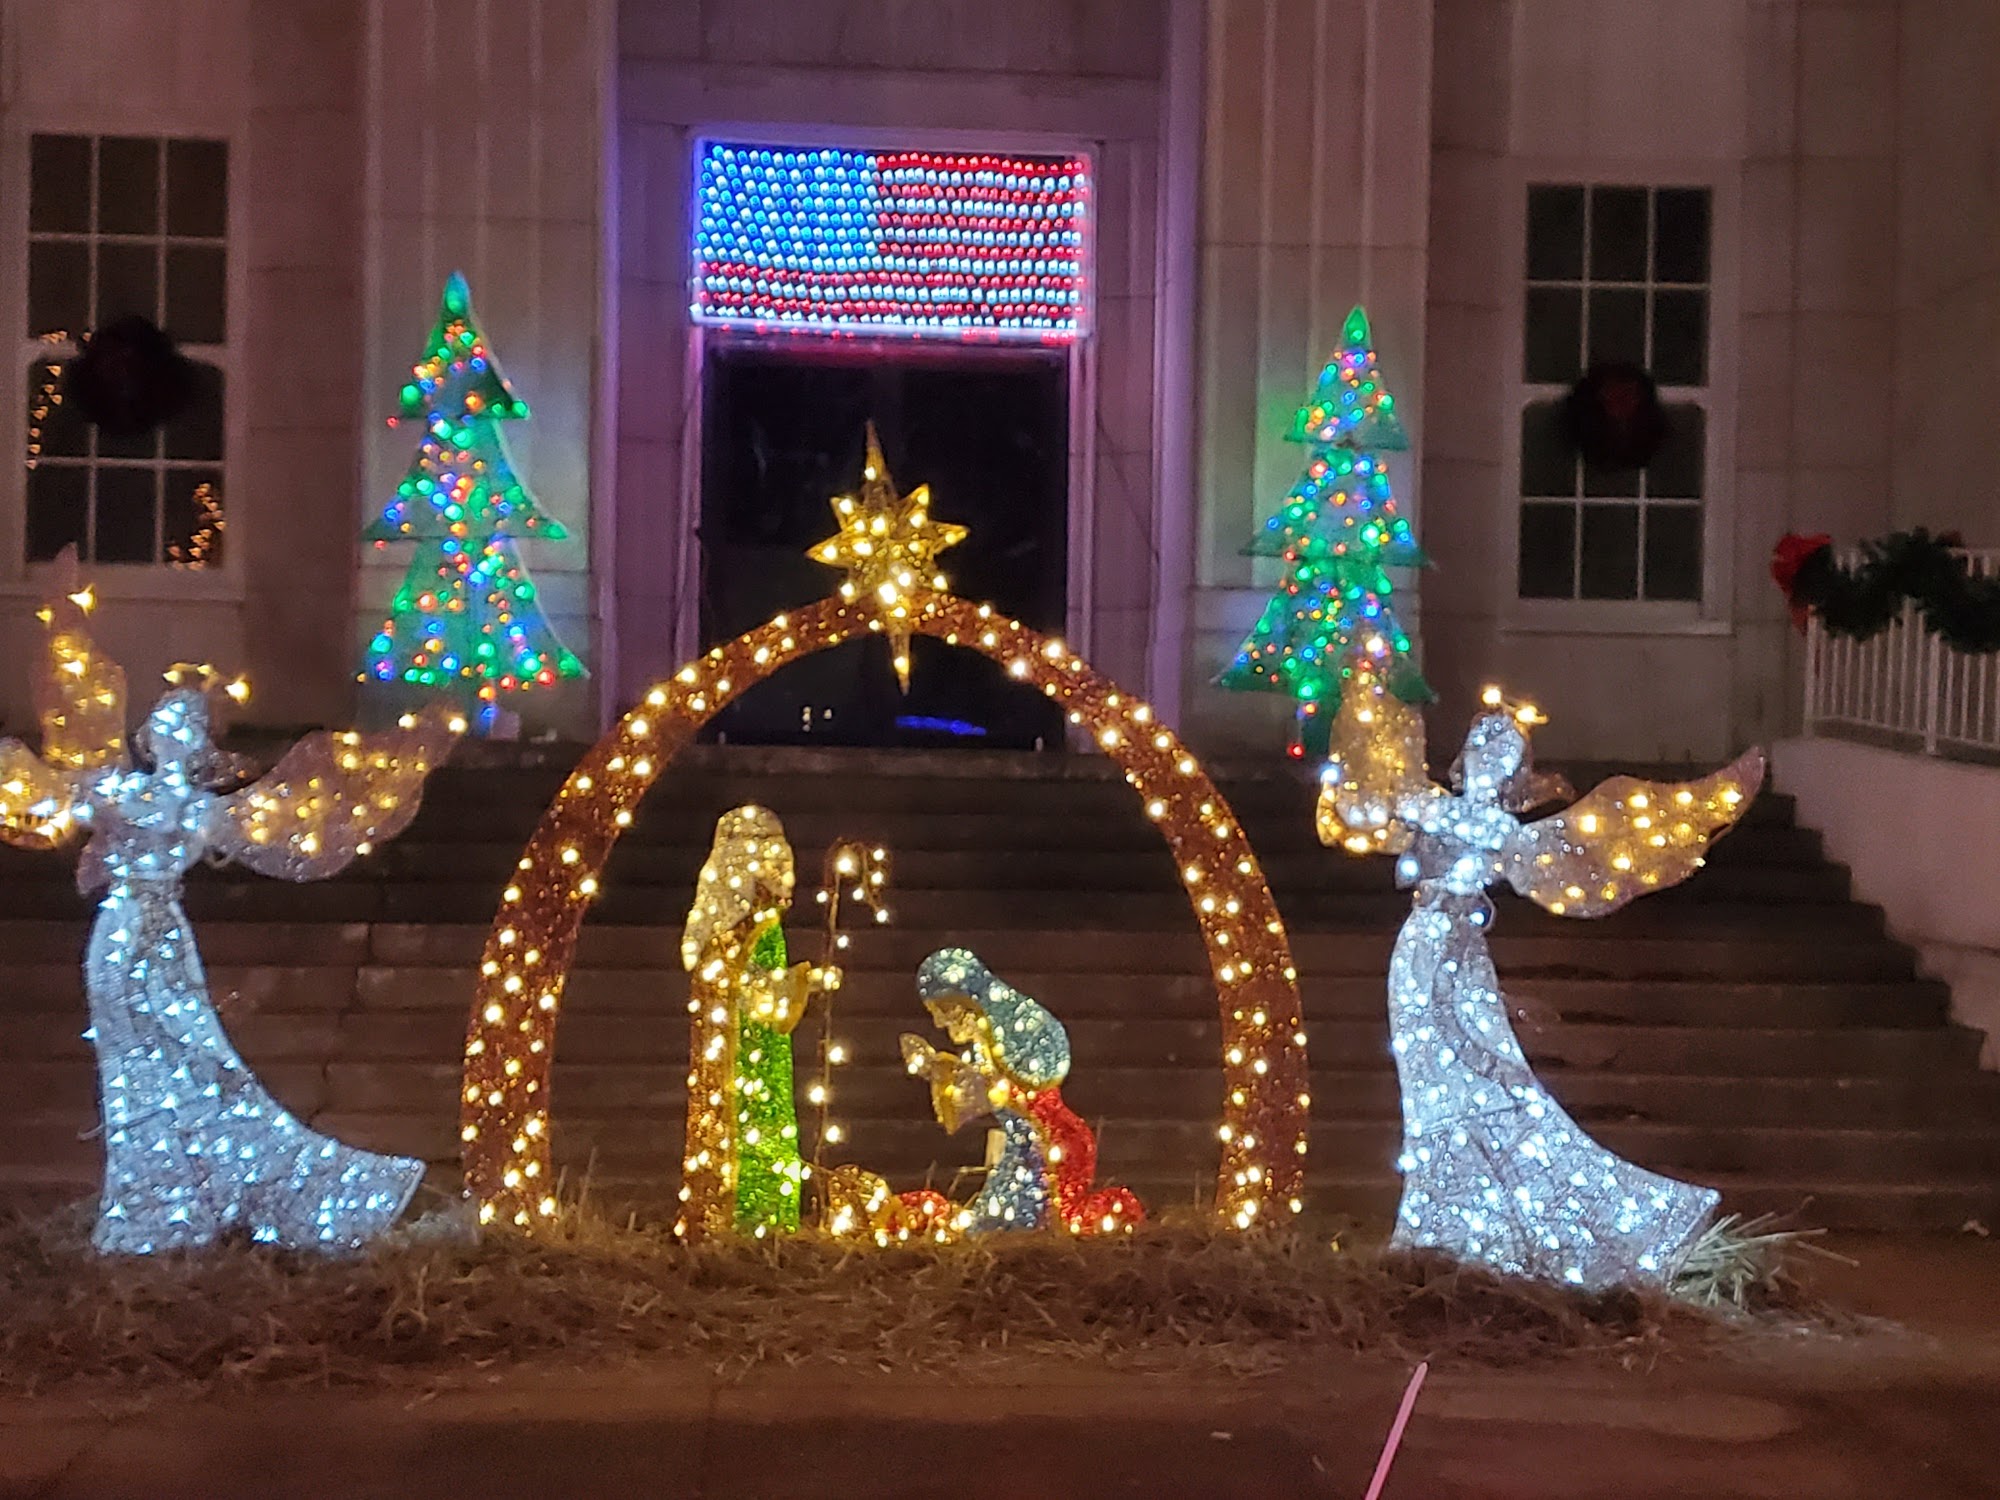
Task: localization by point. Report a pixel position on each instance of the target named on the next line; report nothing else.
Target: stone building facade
(1257, 167)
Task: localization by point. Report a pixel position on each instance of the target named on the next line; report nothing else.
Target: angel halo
(194, 1145)
(1494, 1170)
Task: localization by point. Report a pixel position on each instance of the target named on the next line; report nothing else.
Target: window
(1614, 275)
(123, 225)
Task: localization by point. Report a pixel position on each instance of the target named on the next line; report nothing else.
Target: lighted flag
(892, 241)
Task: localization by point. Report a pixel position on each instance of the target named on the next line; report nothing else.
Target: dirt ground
(1908, 1409)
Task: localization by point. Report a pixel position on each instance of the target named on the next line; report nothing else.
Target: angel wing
(39, 804)
(81, 698)
(332, 797)
(1376, 765)
(1628, 837)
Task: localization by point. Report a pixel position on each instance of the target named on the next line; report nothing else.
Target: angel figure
(194, 1146)
(1016, 1055)
(1493, 1169)
(742, 1171)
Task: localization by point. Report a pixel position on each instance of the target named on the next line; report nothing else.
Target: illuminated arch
(510, 1040)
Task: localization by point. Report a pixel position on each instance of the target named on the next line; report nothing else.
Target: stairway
(1754, 1029)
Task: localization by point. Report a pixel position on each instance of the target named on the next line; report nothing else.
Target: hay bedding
(433, 1303)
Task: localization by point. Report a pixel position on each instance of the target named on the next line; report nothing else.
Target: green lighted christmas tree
(466, 619)
(1332, 620)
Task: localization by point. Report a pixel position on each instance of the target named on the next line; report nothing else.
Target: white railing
(1905, 686)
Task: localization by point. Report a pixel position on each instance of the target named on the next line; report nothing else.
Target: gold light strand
(47, 397)
(861, 871)
(200, 546)
(510, 1040)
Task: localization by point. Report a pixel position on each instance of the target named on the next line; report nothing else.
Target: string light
(466, 616)
(202, 547)
(862, 872)
(1332, 628)
(505, 1130)
(195, 1147)
(48, 394)
(914, 242)
(1493, 1169)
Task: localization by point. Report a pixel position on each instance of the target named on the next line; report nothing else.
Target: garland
(1864, 600)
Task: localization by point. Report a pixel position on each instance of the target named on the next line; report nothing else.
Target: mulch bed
(435, 1301)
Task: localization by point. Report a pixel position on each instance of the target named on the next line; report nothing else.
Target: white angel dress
(194, 1146)
(1494, 1170)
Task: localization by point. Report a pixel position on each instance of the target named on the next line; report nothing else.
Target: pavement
(1908, 1409)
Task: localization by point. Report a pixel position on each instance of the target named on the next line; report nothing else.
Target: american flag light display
(892, 242)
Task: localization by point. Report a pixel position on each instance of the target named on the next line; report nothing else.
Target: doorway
(783, 433)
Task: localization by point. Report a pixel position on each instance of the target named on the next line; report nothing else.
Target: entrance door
(783, 433)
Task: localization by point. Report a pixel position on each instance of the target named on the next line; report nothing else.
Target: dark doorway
(783, 433)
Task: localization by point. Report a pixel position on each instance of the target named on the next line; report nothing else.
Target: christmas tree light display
(466, 619)
(1331, 628)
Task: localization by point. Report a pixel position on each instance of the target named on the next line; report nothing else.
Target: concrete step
(606, 1037)
(668, 872)
(1575, 950)
(1161, 910)
(872, 989)
(1753, 1028)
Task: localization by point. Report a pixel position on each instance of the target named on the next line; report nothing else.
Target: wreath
(128, 377)
(1862, 601)
(1613, 417)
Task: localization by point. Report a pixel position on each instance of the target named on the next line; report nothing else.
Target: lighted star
(889, 548)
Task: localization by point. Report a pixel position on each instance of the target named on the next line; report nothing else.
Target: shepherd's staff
(857, 871)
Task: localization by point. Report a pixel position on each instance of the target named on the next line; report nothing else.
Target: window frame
(20, 578)
(1713, 613)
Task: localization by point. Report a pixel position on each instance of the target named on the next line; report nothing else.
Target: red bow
(1791, 554)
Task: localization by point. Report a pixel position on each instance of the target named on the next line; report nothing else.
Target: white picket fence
(1906, 687)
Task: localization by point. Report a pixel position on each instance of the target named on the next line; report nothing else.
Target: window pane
(197, 431)
(1617, 234)
(198, 188)
(197, 305)
(1610, 552)
(1548, 463)
(1676, 470)
(127, 502)
(1680, 234)
(1548, 551)
(1555, 234)
(1553, 336)
(59, 185)
(128, 281)
(58, 287)
(56, 505)
(193, 520)
(1618, 327)
(1600, 481)
(1680, 338)
(128, 185)
(54, 429)
(1673, 552)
